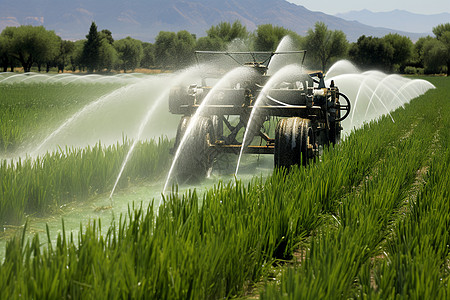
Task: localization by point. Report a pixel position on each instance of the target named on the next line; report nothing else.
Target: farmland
(369, 220)
(38, 186)
(27, 110)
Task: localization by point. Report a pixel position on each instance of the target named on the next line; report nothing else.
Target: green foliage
(440, 30)
(98, 52)
(337, 216)
(418, 54)
(91, 50)
(434, 56)
(28, 110)
(268, 37)
(5, 50)
(31, 45)
(106, 34)
(389, 238)
(219, 36)
(148, 55)
(372, 52)
(185, 48)
(65, 50)
(413, 70)
(108, 56)
(402, 46)
(42, 184)
(434, 53)
(30, 186)
(210, 44)
(323, 45)
(165, 49)
(228, 32)
(130, 53)
(76, 55)
(174, 50)
(442, 33)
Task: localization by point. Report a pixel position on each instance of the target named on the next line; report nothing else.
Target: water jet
(312, 110)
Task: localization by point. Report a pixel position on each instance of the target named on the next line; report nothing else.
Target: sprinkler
(308, 114)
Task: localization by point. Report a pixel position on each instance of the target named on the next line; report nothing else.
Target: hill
(143, 19)
(397, 20)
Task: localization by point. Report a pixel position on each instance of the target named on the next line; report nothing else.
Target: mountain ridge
(397, 19)
(143, 20)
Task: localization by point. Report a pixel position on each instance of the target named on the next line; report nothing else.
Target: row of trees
(35, 46)
(397, 53)
(28, 46)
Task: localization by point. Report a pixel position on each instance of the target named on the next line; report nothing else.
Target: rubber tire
(182, 126)
(197, 157)
(218, 126)
(292, 138)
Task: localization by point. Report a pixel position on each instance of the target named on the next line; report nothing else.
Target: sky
(332, 7)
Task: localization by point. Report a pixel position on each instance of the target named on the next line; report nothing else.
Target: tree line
(34, 46)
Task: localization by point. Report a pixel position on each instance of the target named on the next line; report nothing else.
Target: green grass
(362, 221)
(389, 240)
(28, 110)
(40, 185)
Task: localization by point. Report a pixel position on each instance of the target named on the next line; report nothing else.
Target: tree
(29, 45)
(91, 50)
(65, 50)
(442, 33)
(218, 36)
(165, 49)
(434, 53)
(323, 44)
(108, 56)
(5, 49)
(174, 49)
(434, 56)
(76, 56)
(402, 46)
(106, 34)
(148, 58)
(372, 52)
(268, 37)
(210, 44)
(130, 53)
(418, 51)
(441, 30)
(228, 32)
(185, 47)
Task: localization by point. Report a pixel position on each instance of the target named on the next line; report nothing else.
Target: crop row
(220, 244)
(386, 241)
(28, 111)
(417, 256)
(42, 184)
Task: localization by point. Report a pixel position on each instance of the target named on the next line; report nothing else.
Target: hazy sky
(416, 6)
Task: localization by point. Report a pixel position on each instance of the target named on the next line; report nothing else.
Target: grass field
(30, 109)
(370, 220)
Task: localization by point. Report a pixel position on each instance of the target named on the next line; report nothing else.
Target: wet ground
(102, 207)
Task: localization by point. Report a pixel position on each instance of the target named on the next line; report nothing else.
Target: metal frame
(316, 108)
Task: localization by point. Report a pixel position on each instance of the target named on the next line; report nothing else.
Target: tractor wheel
(218, 126)
(196, 157)
(182, 126)
(294, 142)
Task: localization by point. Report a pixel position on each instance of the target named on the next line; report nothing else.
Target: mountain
(143, 19)
(397, 19)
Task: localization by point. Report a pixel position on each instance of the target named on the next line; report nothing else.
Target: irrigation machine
(307, 114)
